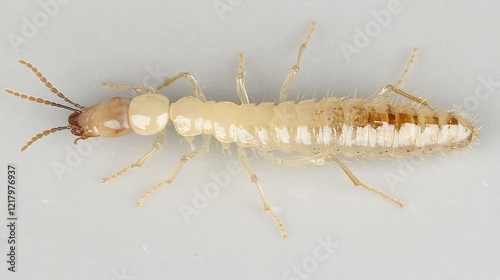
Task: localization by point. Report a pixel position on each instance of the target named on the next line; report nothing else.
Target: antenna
(45, 133)
(48, 84)
(39, 100)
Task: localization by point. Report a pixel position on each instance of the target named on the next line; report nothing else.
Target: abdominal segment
(351, 127)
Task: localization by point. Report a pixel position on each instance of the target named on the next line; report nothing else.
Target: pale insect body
(319, 131)
(351, 127)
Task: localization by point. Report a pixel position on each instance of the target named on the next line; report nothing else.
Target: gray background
(73, 227)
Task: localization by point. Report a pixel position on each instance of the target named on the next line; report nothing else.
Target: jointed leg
(190, 80)
(157, 145)
(138, 90)
(116, 87)
(294, 161)
(383, 93)
(242, 156)
(408, 95)
(240, 82)
(184, 159)
(357, 182)
(295, 68)
(321, 159)
(405, 72)
(142, 90)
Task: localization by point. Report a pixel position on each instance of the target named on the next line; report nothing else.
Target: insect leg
(321, 159)
(408, 95)
(294, 161)
(116, 87)
(184, 159)
(190, 80)
(137, 90)
(295, 68)
(407, 69)
(157, 145)
(383, 93)
(142, 90)
(240, 82)
(167, 82)
(357, 182)
(242, 156)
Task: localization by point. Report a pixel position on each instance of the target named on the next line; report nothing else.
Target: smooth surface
(72, 226)
(148, 113)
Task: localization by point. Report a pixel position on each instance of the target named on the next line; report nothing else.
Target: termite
(317, 132)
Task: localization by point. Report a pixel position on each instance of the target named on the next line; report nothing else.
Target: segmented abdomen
(352, 127)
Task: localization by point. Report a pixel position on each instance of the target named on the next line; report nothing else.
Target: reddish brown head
(73, 120)
(106, 119)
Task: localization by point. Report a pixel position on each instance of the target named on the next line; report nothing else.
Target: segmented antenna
(46, 102)
(48, 84)
(39, 100)
(45, 133)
